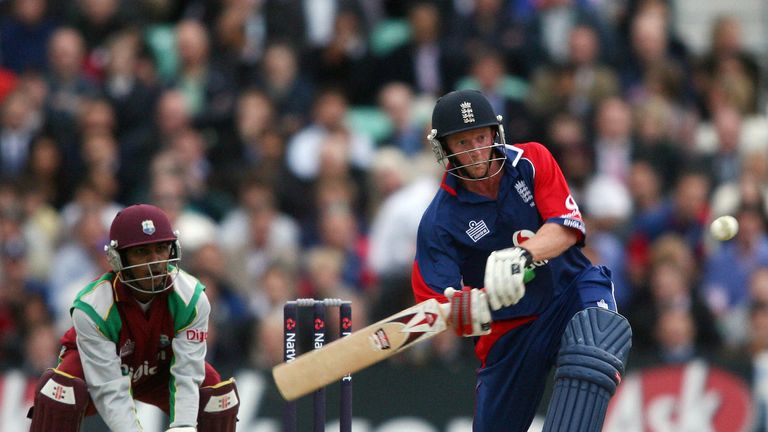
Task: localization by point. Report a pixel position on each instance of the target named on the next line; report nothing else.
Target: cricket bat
(318, 368)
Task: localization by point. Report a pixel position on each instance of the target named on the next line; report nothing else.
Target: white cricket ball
(724, 228)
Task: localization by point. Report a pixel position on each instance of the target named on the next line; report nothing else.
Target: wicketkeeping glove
(504, 276)
(470, 315)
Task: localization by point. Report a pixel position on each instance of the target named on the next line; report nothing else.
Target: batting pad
(590, 365)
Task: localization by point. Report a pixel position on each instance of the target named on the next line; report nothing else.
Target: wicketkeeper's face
(148, 265)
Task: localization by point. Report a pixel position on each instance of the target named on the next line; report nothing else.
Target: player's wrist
(527, 256)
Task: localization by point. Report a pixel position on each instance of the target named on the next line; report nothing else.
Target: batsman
(139, 333)
(501, 241)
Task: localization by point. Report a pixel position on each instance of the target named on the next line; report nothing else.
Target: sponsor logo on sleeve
(196, 335)
(570, 204)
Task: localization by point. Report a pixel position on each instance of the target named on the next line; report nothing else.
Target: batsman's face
(472, 150)
(149, 265)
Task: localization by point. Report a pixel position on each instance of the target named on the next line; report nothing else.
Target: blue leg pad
(590, 365)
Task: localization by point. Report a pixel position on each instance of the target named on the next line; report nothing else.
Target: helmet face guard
(143, 225)
(461, 111)
(126, 273)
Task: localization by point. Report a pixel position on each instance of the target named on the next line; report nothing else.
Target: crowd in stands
(286, 141)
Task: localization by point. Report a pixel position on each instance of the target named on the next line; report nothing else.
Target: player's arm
(188, 367)
(434, 275)
(108, 388)
(563, 227)
(550, 241)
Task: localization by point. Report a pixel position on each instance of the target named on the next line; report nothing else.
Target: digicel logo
(690, 397)
(196, 335)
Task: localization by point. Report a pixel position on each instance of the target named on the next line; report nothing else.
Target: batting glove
(182, 429)
(504, 276)
(470, 315)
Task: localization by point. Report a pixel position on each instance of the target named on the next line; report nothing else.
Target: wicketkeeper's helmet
(137, 225)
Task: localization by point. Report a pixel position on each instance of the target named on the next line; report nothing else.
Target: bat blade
(318, 368)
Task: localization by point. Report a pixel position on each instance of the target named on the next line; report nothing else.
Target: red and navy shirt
(460, 229)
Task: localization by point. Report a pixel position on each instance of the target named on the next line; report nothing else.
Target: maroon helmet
(136, 225)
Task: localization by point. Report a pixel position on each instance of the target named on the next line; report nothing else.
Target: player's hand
(470, 315)
(504, 274)
(182, 429)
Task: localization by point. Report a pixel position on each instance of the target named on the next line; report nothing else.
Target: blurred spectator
(607, 220)
(567, 140)
(339, 231)
(68, 87)
(80, 258)
(279, 283)
(131, 99)
(645, 185)
(343, 60)
(685, 213)
(506, 93)
(17, 280)
(735, 325)
(426, 62)
(172, 117)
(25, 33)
(88, 197)
(253, 142)
(287, 85)
(651, 68)
(44, 170)
(41, 349)
(732, 139)
(407, 132)
(191, 153)
(240, 34)
(328, 118)
(231, 319)
(675, 336)
(255, 234)
(206, 85)
(726, 64)
(613, 139)
(727, 286)
(17, 130)
(654, 141)
(750, 188)
(392, 238)
(670, 289)
(487, 24)
(96, 21)
(169, 192)
(323, 278)
(390, 171)
(579, 84)
(549, 27)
